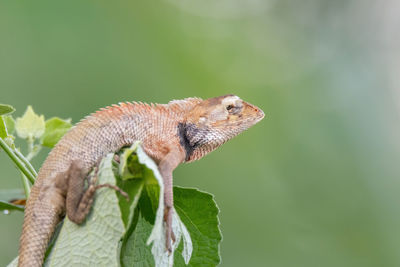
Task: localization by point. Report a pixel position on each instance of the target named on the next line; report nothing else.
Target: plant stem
(26, 162)
(26, 185)
(34, 152)
(17, 161)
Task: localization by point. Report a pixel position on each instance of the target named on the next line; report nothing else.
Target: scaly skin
(180, 131)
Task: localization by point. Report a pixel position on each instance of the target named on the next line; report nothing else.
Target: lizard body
(180, 131)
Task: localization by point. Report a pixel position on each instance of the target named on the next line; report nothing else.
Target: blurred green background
(316, 183)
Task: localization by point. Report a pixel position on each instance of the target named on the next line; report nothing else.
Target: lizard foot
(92, 180)
(79, 200)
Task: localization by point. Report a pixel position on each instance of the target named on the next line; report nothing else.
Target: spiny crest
(174, 106)
(184, 104)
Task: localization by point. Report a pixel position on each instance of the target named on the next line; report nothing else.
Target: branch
(20, 164)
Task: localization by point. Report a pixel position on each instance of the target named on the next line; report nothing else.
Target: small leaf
(129, 166)
(3, 129)
(5, 206)
(10, 141)
(133, 187)
(30, 125)
(4, 132)
(10, 124)
(6, 109)
(55, 129)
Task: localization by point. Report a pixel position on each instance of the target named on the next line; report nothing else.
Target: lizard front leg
(166, 167)
(78, 200)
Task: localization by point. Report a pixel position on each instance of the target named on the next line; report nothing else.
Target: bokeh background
(316, 183)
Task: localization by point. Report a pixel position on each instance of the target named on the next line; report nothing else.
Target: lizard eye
(229, 107)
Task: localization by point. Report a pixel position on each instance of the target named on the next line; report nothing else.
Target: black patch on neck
(184, 132)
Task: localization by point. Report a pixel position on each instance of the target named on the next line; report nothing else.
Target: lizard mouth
(261, 115)
(256, 114)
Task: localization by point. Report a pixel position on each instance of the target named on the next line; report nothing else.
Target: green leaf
(6, 109)
(149, 202)
(135, 252)
(157, 236)
(129, 166)
(133, 188)
(199, 212)
(154, 184)
(96, 241)
(5, 206)
(3, 129)
(30, 125)
(55, 129)
(4, 133)
(10, 124)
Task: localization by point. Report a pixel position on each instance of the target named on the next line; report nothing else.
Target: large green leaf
(95, 242)
(199, 212)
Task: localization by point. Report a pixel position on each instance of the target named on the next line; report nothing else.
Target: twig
(24, 169)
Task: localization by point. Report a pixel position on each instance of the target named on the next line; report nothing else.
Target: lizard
(180, 131)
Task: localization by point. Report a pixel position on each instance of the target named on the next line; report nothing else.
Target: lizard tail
(40, 220)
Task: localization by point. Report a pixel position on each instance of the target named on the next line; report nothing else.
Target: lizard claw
(116, 188)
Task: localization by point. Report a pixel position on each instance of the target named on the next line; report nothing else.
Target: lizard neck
(184, 140)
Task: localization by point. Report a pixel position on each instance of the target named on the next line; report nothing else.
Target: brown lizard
(180, 131)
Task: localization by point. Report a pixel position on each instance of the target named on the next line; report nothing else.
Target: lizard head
(214, 121)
